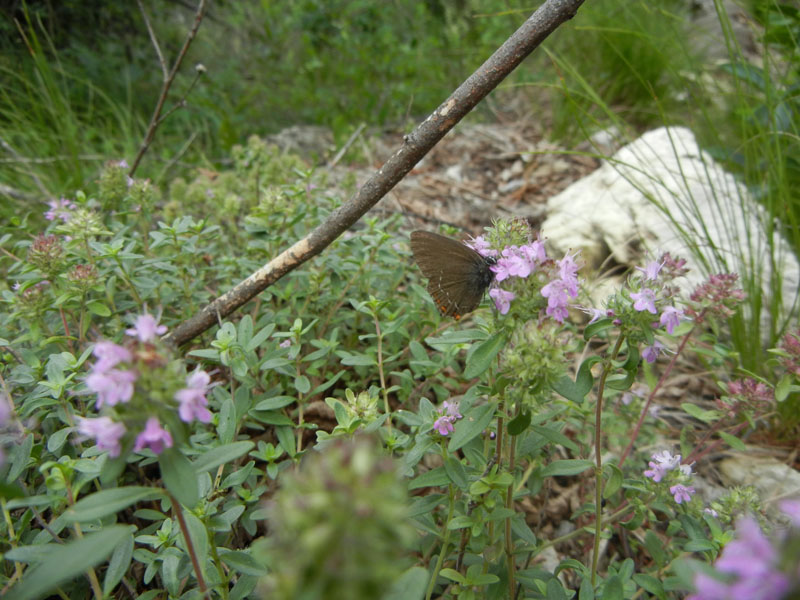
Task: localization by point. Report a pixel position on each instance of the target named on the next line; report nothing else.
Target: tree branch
(169, 78)
(418, 143)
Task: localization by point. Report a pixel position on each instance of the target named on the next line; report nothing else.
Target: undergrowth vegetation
(335, 437)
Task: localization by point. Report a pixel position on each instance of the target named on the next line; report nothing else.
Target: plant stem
(177, 510)
(652, 395)
(445, 541)
(380, 372)
(90, 572)
(598, 455)
(223, 578)
(510, 505)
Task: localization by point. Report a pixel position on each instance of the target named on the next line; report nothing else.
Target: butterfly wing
(457, 275)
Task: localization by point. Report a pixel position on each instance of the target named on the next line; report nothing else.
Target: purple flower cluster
(718, 296)
(751, 564)
(111, 384)
(449, 414)
(114, 377)
(521, 262)
(558, 291)
(60, 209)
(790, 345)
(192, 399)
(662, 463)
(646, 298)
(154, 437)
(481, 245)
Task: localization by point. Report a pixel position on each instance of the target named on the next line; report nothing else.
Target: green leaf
(67, 561)
(555, 436)
(707, 416)
(221, 455)
(434, 478)
(481, 358)
(586, 591)
(118, 565)
(615, 479)
(577, 390)
(567, 467)
(596, 328)
(655, 546)
(456, 472)
(107, 502)
(554, 590)
(179, 477)
(732, 441)
(198, 535)
(452, 575)
(226, 424)
(612, 590)
(519, 423)
(302, 384)
(327, 384)
(245, 330)
(783, 388)
(18, 458)
(259, 338)
(411, 585)
(57, 439)
(698, 546)
(472, 425)
(98, 308)
(242, 562)
(649, 584)
(276, 402)
(621, 381)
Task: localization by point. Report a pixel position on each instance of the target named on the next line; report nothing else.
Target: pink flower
(146, 328)
(557, 299)
(502, 299)
(154, 437)
(645, 300)
(752, 561)
(667, 459)
(443, 425)
(451, 409)
(285, 343)
(651, 270)
(671, 318)
(112, 387)
(662, 462)
(481, 245)
(105, 432)
(60, 209)
(568, 269)
(650, 353)
(595, 313)
(534, 251)
(681, 493)
(656, 472)
(192, 398)
(109, 355)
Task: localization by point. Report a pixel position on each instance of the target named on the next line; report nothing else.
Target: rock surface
(663, 193)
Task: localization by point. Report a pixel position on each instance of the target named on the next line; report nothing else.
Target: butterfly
(457, 275)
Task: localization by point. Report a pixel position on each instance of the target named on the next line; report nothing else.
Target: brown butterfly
(457, 275)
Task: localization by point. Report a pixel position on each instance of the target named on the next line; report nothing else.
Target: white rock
(771, 478)
(662, 191)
